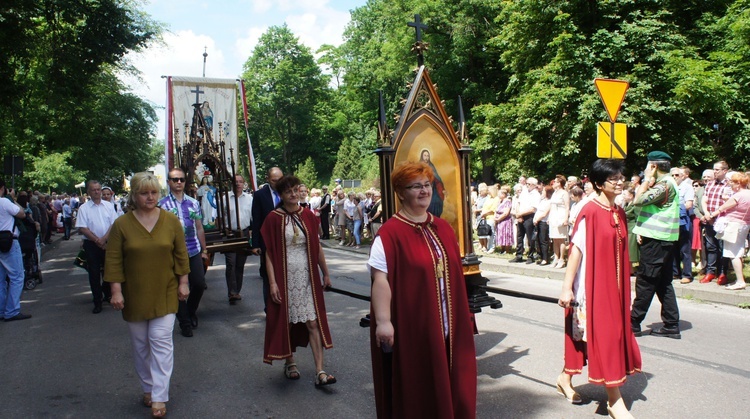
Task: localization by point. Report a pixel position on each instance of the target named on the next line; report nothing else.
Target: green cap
(659, 156)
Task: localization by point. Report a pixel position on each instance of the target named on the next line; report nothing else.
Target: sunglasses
(177, 179)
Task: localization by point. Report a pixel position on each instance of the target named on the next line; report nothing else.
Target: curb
(709, 293)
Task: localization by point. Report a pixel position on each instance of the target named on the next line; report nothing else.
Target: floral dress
(504, 236)
(299, 288)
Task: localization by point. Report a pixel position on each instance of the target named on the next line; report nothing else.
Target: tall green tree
(58, 83)
(285, 91)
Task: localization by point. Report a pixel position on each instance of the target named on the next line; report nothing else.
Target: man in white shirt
(235, 260)
(95, 218)
(11, 261)
(525, 217)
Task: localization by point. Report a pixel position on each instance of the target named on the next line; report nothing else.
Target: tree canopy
(59, 83)
(525, 71)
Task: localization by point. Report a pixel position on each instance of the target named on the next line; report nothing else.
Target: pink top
(741, 212)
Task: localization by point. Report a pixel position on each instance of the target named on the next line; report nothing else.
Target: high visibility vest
(661, 222)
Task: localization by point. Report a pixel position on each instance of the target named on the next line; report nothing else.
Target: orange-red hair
(406, 172)
(741, 178)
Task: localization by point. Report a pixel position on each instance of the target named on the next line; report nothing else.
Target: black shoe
(18, 316)
(186, 331)
(670, 332)
(194, 321)
(97, 309)
(530, 261)
(517, 259)
(636, 331)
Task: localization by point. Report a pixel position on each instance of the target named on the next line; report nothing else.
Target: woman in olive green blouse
(147, 265)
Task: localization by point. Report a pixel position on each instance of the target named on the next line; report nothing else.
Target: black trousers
(525, 229)
(683, 256)
(264, 276)
(95, 261)
(68, 225)
(655, 277)
(235, 270)
(197, 282)
(715, 263)
(325, 220)
(542, 240)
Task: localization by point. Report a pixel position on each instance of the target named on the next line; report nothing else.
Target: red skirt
(697, 236)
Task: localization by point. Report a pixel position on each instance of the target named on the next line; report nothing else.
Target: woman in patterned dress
(504, 222)
(296, 314)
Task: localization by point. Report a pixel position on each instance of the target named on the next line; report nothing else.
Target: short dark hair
(602, 169)
(287, 182)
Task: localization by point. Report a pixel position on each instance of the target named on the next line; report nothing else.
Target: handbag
(578, 326)
(484, 229)
(80, 260)
(719, 225)
(730, 232)
(6, 241)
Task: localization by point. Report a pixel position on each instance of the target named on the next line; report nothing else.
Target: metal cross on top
(197, 92)
(419, 26)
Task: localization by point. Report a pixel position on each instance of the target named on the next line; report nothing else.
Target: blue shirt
(187, 211)
(67, 211)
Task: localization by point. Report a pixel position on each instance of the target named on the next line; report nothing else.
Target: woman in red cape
(294, 260)
(596, 294)
(422, 335)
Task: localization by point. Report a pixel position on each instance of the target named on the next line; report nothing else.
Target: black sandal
(325, 380)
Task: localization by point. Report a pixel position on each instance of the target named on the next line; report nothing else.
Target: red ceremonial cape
(612, 351)
(426, 376)
(282, 338)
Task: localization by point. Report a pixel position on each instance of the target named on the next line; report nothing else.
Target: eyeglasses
(419, 186)
(615, 180)
(177, 179)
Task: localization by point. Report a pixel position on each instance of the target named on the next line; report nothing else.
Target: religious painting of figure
(425, 141)
(438, 188)
(208, 115)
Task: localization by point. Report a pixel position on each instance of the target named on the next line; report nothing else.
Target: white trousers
(154, 355)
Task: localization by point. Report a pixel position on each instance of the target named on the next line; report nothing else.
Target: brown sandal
(159, 412)
(147, 399)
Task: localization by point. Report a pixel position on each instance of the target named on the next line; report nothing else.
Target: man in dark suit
(264, 201)
(325, 214)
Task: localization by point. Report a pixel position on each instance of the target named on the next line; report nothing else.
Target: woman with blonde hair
(147, 265)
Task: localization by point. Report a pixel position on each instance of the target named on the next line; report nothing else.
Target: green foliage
(525, 72)
(286, 92)
(54, 172)
(307, 174)
(60, 86)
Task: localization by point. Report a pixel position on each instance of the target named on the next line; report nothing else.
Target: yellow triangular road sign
(612, 93)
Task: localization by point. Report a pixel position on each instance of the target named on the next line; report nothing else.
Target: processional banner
(217, 100)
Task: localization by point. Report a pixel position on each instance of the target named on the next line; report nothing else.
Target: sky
(229, 30)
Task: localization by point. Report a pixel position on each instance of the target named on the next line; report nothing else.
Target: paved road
(67, 362)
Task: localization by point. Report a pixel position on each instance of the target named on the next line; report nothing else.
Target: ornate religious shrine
(200, 147)
(424, 131)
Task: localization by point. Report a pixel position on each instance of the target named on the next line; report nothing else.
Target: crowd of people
(659, 224)
(536, 219)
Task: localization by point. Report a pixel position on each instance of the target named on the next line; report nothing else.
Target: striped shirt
(188, 212)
